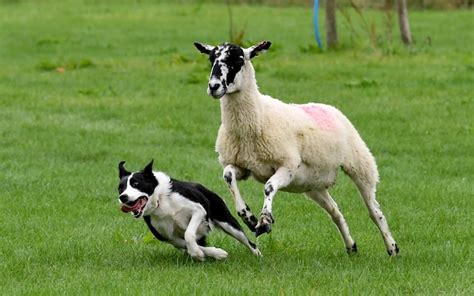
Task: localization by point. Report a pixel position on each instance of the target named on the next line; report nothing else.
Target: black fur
(122, 171)
(201, 48)
(215, 207)
(262, 46)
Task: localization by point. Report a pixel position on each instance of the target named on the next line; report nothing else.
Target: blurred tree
(331, 27)
(403, 21)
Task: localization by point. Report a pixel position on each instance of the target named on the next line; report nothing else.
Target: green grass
(83, 86)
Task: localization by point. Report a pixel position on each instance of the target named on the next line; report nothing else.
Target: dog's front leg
(190, 235)
(216, 253)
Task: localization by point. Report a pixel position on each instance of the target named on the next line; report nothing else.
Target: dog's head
(135, 189)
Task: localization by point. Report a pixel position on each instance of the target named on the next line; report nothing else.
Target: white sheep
(289, 147)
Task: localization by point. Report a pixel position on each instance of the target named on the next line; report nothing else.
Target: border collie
(180, 213)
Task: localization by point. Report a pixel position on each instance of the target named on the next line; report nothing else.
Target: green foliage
(60, 66)
(365, 82)
(310, 48)
(134, 88)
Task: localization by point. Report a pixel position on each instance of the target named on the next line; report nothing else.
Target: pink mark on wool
(322, 115)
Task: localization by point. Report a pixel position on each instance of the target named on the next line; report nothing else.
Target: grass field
(83, 86)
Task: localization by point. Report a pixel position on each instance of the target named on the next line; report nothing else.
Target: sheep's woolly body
(261, 134)
(295, 148)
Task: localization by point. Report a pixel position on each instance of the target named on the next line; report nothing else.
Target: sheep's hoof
(352, 250)
(265, 224)
(395, 252)
(263, 228)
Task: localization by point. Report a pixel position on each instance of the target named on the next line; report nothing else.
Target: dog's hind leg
(239, 235)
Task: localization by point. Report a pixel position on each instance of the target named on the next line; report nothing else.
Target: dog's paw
(216, 253)
(196, 254)
(257, 252)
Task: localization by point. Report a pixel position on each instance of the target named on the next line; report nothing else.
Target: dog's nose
(123, 198)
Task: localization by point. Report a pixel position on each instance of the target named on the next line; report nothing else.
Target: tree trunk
(403, 21)
(331, 28)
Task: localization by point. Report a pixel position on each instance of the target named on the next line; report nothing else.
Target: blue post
(316, 25)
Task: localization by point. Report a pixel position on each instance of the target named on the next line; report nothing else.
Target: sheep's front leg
(231, 175)
(282, 178)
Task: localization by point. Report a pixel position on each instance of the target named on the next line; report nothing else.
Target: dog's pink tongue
(125, 209)
(138, 205)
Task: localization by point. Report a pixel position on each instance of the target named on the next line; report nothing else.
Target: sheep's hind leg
(324, 199)
(281, 178)
(375, 212)
(231, 175)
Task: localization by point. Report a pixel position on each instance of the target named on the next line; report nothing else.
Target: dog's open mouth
(136, 206)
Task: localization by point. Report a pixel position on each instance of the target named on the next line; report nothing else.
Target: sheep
(289, 147)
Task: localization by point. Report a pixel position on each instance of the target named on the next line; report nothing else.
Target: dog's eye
(134, 183)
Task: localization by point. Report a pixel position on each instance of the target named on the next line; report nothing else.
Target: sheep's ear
(257, 49)
(122, 171)
(204, 48)
(148, 170)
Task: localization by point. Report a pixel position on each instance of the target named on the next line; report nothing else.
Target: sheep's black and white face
(227, 62)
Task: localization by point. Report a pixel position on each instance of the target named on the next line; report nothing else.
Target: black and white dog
(180, 213)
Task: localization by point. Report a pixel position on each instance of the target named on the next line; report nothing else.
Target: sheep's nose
(214, 86)
(123, 198)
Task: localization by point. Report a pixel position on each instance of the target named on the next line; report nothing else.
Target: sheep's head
(227, 62)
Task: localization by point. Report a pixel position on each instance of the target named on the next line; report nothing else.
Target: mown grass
(84, 85)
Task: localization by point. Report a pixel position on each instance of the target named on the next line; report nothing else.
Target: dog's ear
(148, 170)
(122, 171)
